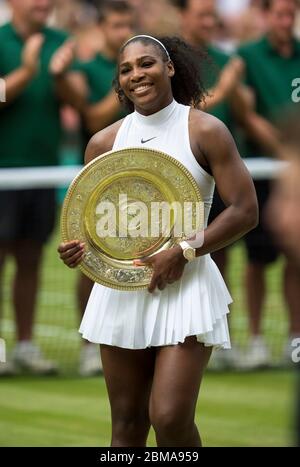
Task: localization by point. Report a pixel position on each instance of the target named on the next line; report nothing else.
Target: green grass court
(234, 409)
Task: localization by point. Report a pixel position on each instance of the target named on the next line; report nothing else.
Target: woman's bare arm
(213, 145)
(214, 148)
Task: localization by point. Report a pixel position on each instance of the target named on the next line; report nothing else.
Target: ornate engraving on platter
(127, 180)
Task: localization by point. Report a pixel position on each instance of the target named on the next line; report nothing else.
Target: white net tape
(55, 177)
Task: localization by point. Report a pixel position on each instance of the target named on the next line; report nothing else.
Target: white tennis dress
(197, 304)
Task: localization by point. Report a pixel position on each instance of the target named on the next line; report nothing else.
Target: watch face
(189, 254)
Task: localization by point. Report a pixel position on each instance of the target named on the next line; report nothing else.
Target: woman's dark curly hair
(187, 84)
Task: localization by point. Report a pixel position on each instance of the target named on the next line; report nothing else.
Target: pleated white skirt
(197, 305)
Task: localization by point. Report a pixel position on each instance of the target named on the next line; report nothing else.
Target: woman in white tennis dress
(155, 344)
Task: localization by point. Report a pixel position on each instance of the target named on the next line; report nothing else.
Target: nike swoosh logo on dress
(143, 141)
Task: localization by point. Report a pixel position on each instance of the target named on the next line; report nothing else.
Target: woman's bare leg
(128, 376)
(176, 383)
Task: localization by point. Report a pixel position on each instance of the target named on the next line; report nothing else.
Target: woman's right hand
(71, 253)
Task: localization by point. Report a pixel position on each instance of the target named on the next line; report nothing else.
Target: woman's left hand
(168, 266)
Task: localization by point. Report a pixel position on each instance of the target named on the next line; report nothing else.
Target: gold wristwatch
(188, 252)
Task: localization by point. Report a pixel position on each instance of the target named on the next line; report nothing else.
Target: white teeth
(142, 88)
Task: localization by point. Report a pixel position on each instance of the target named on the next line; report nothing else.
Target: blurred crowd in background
(237, 21)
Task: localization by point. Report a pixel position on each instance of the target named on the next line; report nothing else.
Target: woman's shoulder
(102, 141)
(205, 122)
(207, 126)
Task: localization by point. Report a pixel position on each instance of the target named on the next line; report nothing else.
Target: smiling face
(145, 77)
